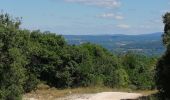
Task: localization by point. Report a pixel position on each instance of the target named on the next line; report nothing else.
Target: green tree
(166, 35)
(140, 70)
(12, 72)
(121, 78)
(163, 65)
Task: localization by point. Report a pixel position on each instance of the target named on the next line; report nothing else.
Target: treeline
(28, 58)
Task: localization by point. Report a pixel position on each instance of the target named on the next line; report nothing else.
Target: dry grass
(147, 92)
(44, 92)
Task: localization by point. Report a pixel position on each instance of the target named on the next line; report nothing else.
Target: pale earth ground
(96, 96)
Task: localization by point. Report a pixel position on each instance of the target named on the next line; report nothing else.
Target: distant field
(150, 44)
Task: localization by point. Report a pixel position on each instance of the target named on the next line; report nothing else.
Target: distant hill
(150, 44)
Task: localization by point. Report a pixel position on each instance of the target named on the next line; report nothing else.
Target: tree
(140, 69)
(12, 72)
(121, 78)
(166, 35)
(163, 65)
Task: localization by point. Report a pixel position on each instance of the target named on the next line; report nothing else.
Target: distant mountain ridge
(150, 44)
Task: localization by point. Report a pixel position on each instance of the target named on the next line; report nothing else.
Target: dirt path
(103, 96)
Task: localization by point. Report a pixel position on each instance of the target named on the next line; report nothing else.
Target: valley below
(149, 44)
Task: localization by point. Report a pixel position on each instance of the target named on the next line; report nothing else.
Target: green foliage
(162, 74)
(120, 78)
(163, 65)
(166, 35)
(140, 70)
(12, 72)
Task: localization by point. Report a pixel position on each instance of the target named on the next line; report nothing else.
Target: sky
(92, 17)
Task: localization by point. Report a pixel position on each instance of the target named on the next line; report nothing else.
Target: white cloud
(155, 21)
(123, 26)
(169, 3)
(111, 16)
(119, 17)
(145, 26)
(100, 3)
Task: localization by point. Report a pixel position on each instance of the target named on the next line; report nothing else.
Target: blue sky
(89, 16)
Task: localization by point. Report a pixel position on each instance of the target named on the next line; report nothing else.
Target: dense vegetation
(163, 66)
(30, 57)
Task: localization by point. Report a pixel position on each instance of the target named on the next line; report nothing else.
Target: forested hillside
(28, 58)
(149, 44)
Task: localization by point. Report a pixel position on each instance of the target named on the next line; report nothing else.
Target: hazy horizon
(89, 17)
(116, 34)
